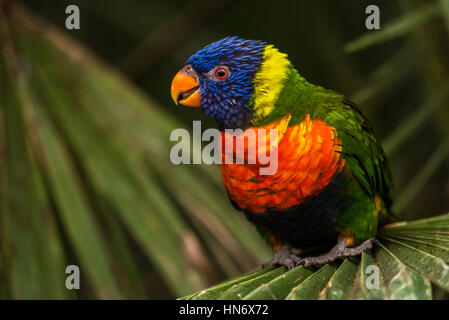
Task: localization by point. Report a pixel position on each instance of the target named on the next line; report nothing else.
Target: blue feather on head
(226, 100)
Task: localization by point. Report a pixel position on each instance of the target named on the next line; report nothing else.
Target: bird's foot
(283, 257)
(340, 250)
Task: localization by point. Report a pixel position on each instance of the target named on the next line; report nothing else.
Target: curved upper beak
(185, 90)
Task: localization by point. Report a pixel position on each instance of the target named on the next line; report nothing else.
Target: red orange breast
(308, 158)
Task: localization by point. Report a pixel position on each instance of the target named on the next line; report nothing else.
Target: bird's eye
(221, 73)
(188, 68)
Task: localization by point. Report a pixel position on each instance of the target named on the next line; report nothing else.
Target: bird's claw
(306, 262)
(283, 257)
(286, 258)
(338, 252)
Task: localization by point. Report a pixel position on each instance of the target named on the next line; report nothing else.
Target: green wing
(361, 149)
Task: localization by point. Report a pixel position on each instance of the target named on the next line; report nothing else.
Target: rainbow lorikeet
(333, 181)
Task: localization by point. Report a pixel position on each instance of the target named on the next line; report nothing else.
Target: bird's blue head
(219, 78)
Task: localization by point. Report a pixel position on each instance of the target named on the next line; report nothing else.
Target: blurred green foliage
(85, 176)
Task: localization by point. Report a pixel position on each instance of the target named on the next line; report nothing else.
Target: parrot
(333, 183)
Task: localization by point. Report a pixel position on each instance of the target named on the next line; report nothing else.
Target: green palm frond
(86, 178)
(410, 257)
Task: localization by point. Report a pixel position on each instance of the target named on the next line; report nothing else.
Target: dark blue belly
(311, 223)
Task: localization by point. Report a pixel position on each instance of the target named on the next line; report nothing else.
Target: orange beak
(185, 90)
